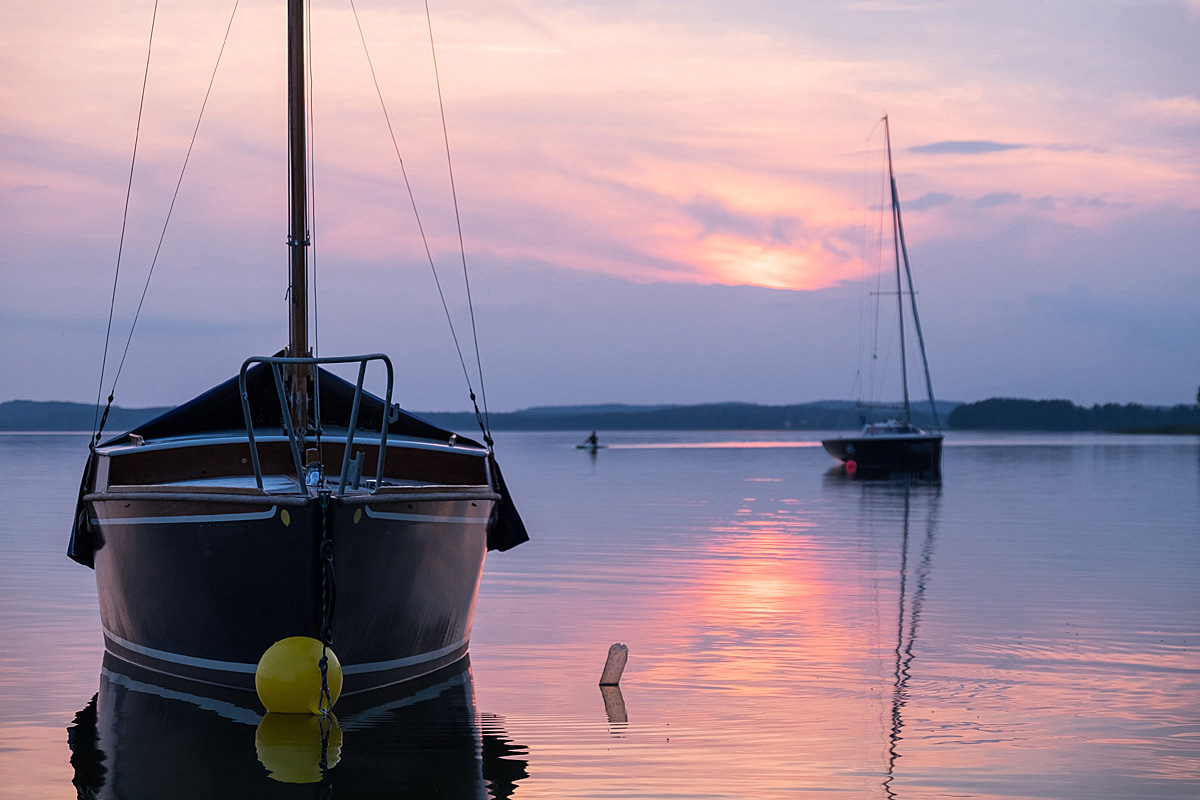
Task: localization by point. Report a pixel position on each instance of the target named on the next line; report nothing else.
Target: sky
(660, 202)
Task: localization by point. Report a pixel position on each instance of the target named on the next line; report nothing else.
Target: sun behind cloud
(652, 148)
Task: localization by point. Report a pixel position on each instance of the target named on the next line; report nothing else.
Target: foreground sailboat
(290, 502)
(896, 445)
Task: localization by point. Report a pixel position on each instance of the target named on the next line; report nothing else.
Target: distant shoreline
(1163, 430)
(1007, 413)
(9, 432)
(993, 414)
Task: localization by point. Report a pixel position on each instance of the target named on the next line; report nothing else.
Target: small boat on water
(591, 444)
(288, 501)
(897, 444)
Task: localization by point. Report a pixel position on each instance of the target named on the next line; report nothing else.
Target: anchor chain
(328, 601)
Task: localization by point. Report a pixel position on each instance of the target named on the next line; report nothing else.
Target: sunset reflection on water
(1027, 627)
(793, 630)
(736, 445)
(763, 633)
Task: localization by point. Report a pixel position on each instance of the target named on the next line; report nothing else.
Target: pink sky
(622, 169)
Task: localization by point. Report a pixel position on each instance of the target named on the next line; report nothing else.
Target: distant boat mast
(901, 251)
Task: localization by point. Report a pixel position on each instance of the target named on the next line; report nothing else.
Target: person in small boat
(593, 440)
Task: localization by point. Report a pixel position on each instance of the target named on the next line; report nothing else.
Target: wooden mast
(298, 217)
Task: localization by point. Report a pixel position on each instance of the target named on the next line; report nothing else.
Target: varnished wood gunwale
(198, 459)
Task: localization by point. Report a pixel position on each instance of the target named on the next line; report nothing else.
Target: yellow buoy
(288, 677)
(292, 747)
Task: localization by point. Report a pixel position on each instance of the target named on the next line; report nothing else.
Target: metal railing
(295, 439)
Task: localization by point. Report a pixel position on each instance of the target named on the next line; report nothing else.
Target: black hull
(199, 589)
(889, 453)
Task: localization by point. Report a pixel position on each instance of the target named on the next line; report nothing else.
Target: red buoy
(851, 467)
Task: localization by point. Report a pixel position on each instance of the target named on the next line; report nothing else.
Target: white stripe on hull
(382, 666)
(423, 517)
(242, 668)
(193, 518)
(187, 661)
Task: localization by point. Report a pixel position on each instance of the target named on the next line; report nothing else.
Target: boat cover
(220, 409)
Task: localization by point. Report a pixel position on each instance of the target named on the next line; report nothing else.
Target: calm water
(1029, 628)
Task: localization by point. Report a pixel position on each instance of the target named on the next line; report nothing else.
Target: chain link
(328, 601)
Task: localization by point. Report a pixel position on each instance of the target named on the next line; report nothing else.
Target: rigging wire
(312, 224)
(416, 214)
(857, 387)
(171, 208)
(871, 269)
(869, 328)
(97, 420)
(879, 371)
(462, 248)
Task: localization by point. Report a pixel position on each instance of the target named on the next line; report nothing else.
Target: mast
(298, 217)
(897, 238)
(912, 294)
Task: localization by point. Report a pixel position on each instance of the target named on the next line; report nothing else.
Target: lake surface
(1029, 627)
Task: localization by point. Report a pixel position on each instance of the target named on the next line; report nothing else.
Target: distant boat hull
(901, 452)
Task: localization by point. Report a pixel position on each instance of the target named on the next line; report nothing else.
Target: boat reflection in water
(140, 738)
(911, 476)
(886, 505)
(914, 577)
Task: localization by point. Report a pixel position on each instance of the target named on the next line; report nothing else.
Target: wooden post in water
(618, 654)
(614, 703)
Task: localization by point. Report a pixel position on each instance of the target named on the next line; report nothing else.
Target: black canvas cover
(507, 529)
(220, 409)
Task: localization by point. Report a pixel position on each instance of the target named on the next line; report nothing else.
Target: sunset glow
(635, 148)
(632, 143)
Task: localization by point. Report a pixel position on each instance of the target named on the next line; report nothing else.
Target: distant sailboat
(896, 445)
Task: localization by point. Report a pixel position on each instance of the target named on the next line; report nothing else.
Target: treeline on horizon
(1000, 413)
(26, 415)
(35, 415)
(825, 415)
(992, 414)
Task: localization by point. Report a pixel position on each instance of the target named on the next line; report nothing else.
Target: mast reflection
(140, 738)
(910, 602)
(886, 502)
